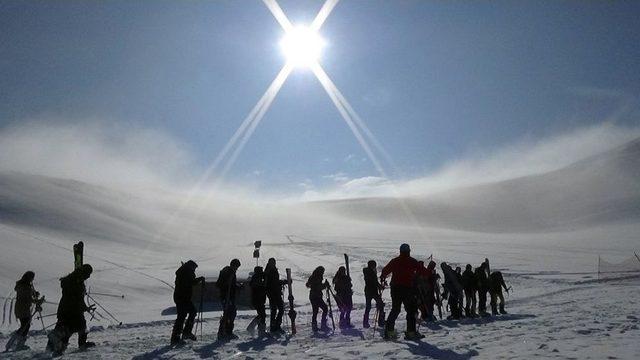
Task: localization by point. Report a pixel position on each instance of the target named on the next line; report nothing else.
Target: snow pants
(470, 302)
(276, 307)
(184, 309)
(402, 295)
(317, 304)
(368, 296)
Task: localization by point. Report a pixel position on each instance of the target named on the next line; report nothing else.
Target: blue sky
(434, 81)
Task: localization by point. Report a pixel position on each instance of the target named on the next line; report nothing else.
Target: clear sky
(434, 80)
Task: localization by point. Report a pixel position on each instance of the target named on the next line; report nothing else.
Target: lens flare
(302, 46)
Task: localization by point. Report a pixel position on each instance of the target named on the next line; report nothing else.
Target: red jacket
(403, 268)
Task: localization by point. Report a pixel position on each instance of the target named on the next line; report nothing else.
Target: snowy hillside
(598, 190)
(544, 232)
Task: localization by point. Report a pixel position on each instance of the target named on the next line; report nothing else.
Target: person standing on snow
(469, 285)
(344, 293)
(26, 297)
(403, 269)
(482, 282)
(227, 286)
(372, 290)
(496, 284)
(259, 297)
(452, 291)
(182, 294)
(317, 285)
(71, 311)
(274, 293)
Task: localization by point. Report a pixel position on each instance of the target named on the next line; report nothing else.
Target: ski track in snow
(551, 316)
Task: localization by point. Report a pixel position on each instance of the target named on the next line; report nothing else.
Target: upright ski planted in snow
(328, 287)
(78, 250)
(292, 311)
(346, 264)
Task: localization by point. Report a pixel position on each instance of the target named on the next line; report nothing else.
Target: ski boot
(314, 326)
(390, 334)
(324, 326)
(189, 336)
(502, 310)
(494, 310)
(87, 345)
(413, 336)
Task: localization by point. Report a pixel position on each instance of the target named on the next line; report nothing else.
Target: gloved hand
(201, 279)
(91, 308)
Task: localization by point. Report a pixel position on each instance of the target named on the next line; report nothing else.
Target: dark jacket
(185, 279)
(469, 282)
(316, 286)
(496, 282)
(403, 269)
(481, 279)
(371, 284)
(25, 297)
(258, 288)
(227, 284)
(273, 282)
(342, 285)
(72, 306)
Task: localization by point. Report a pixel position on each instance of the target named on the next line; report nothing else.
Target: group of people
(412, 285)
(70, 313)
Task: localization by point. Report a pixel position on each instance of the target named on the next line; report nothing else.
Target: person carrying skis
(372, 290)
(274, 293)
(70, 314)
(227, 286)
(496, 284)
(316, 285)
(344, 293)
(403, 269)
(426, 283)
(469, 285)
(452, 291)
(26, 297)
(182, 294)
(259, 296)
(482, 282)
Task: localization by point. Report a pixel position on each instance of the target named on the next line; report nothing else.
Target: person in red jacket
(404, 269)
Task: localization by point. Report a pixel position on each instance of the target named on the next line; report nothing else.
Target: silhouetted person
(182, 294)
(461, 290)
(274, 293)
(403, 269)
(26, 297)
(258, 286)
(469, 285)
(344, 293)
(372, 290)
(496, 284)
(71, 311)
(426, 283)
(452, 290)
(227, 285)
(483, 286)
(316, 286)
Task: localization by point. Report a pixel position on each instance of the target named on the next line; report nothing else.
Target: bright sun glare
(302, 46)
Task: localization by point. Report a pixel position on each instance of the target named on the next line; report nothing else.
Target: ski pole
(108, 295)
(201, 306)
(105, 310)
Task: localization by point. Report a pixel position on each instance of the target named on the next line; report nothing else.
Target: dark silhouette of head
(372, 264)
(319, 271)
(257, 270)
(235, 264)
(28, 277)
(432, 265)
(405, 249)
(191, 265)
(85, 271)
(469, 267)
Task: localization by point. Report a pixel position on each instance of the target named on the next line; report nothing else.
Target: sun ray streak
(324, 12)
(362, 125)
(248, 123)
(277, 12)
(325, 81)
(348, 118)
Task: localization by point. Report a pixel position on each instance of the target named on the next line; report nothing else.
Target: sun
(302, 46)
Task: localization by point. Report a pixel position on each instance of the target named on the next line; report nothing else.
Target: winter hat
(404, 248)
(372, 264)
(235, 263)
(28, 276)
(257, 270)
(86, 269)
(192, 264)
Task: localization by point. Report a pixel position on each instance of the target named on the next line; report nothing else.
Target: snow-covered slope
(544, 232)
(599, 190)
